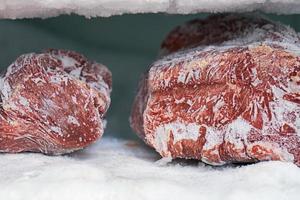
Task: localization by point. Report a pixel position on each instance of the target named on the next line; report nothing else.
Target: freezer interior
(126, 37)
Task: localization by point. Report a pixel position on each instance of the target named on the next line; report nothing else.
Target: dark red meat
(234, 102)
(217, 29)
(53, 102)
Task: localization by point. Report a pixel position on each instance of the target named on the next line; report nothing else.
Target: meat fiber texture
(123, 170)
(14, 9)
(234, 98)
(52, 102)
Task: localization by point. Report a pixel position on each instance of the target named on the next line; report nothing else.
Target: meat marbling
(53, 102)
(225, 95)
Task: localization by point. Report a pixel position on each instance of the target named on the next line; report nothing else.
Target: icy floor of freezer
(117, 169)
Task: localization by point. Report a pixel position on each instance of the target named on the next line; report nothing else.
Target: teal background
(126, 44)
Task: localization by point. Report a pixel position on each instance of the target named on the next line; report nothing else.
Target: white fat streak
(58, 79)
(57, 130)
(256, 81)
(73, 120)
(5, 89)
(213, 137)
(179, 131)
(74, 99)
(23, 101)
(181, 78)
(177, 101)
(48, 104)
(189, 102)
(281, 151)
(218, 105)
(237, 132)
(190, 71)
(282, 107)
(38, 80)
(239, 126)
(67, 61)
(76, 72)
(294, 87)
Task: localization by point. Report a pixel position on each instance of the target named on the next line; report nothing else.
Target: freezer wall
(126, 44)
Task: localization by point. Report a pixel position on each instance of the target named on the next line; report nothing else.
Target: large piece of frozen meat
(228, 91)
(53, 102)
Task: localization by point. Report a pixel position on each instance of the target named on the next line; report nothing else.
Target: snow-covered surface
(92, 8)
(116, 169)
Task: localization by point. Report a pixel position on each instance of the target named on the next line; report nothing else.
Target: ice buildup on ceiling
(14, 9)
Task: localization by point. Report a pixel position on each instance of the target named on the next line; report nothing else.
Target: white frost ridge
(92, 8)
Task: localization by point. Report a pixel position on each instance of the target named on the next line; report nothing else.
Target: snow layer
(115, 169)
(92, 8)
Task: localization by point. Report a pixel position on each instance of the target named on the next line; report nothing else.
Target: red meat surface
(52, 102)
(217, 29)
(234, 102)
